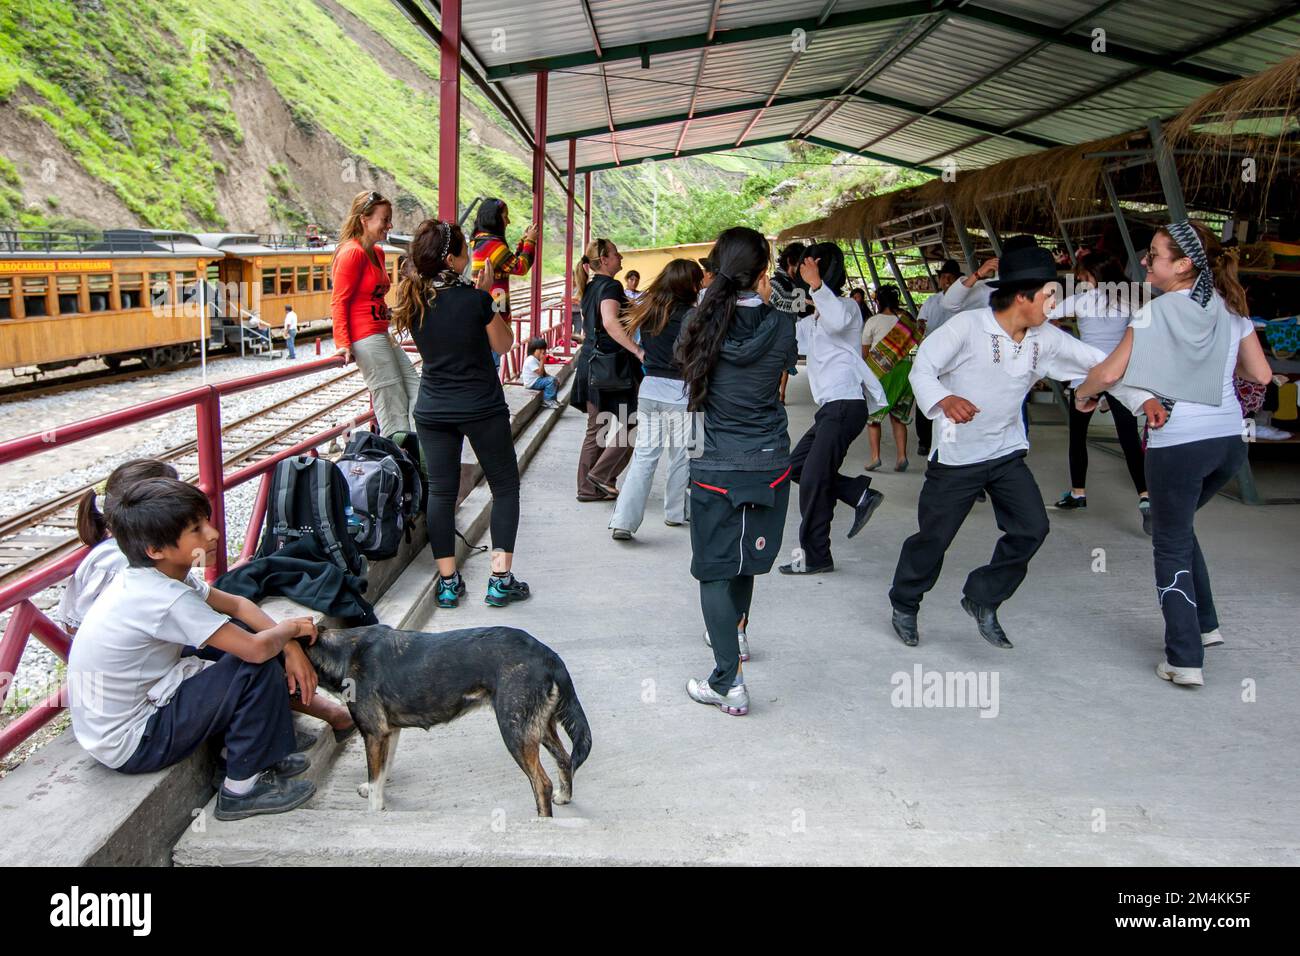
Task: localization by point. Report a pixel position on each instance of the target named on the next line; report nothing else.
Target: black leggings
(494, 445)
(724, 603)
(1129, 440)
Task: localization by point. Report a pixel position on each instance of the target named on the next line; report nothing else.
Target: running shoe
(502, 590)
(1144, 508)
(1212, 638)
(1187, 676)
(741, 638)
(1069, 502)
(450, 590)
(735, 702)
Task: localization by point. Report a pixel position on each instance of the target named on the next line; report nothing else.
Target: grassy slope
(129, 90)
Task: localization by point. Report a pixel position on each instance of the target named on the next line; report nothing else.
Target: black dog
(393, 679)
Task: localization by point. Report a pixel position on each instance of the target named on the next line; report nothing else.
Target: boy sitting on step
(141, 697)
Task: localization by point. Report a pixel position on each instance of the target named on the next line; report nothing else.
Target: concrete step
(135, 820)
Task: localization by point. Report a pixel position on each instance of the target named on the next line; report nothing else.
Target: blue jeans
(288, 343)
(547, 385)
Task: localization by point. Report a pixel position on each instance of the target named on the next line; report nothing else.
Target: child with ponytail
(105, 560)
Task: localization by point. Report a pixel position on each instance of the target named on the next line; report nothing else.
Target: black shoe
(982, 496)
(1070, 503)
(502, 589)
(342, 735)
(303, 741)
(905, 627)
(871, 500)
(271, 794)
(790, 569)
(290, 766)
(987, 619)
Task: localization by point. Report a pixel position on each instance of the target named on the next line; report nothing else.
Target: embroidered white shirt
(974, 358)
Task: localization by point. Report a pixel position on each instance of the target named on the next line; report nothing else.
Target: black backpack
(409, 442)
(385, 489)
(309, 496)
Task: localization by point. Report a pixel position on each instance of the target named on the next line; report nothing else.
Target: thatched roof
(1257, 117)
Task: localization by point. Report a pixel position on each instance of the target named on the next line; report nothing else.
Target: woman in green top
(889, 340)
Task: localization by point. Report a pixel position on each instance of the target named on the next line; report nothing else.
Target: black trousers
(246, 704)
(724, 603)
(1126, 429)
(924, 432)
(815, 465)
(494, 445)
(1183, 478)
(946, 499)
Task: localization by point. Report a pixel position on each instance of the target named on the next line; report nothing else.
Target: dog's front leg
(378, 749)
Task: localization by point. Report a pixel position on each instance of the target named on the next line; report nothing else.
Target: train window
(304, 283)
(131, 287)
(34, 295)
(160, 288)
(268, 282)
(6, 298)
(318, 278)
(99, 290)
(286, 281)
(69, 294)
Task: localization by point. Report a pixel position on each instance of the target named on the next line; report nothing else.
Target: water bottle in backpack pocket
(385, 490)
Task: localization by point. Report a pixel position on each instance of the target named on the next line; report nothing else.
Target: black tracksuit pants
(494, 445)
(815, 464)
(946, 498)
(1126, 428)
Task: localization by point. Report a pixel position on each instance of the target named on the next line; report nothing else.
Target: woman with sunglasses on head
(456, 330)
(360, 280)
(1185, 347)
(607, 374)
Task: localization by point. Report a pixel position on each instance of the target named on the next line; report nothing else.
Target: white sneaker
(1187, 676)
(735, 703)
(1211, 638)
(741, 638)
(1269, 433)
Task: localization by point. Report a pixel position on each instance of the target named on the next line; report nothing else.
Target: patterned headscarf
(1185, 236)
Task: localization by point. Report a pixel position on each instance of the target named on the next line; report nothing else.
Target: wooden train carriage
(115, 297)
(66, 297)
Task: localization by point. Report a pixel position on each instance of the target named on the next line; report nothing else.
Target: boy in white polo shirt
(139, 703)
(971, 377)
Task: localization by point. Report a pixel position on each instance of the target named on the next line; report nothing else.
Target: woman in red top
(361, 315)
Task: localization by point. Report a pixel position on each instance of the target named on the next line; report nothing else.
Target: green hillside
(138, 92)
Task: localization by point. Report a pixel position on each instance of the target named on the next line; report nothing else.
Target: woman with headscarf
(1185, 346)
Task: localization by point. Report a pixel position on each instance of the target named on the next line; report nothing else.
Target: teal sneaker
(450, 590)
(502, 590)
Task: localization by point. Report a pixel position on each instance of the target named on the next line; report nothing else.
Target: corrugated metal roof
(1034, 80)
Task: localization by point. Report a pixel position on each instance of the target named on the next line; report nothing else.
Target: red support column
(211, 472)
(586, 212)
(539, 199)
(449, 113)
(568, 250)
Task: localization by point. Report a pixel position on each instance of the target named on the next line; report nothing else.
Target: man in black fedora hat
(971, 378)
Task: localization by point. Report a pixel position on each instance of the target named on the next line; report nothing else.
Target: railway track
(48, 531)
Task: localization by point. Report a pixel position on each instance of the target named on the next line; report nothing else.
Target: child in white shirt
(533, 375)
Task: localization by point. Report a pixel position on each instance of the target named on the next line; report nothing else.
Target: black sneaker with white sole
(293, 765)
(1069, 502)
(271, 794)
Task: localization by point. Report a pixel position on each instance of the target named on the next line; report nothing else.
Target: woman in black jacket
(732, 351)
(456, 330)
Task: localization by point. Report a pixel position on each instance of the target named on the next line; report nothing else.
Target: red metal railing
(27, 620)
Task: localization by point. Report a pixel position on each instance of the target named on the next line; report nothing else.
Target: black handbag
(609, 370)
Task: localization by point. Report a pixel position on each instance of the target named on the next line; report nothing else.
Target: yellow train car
(153, 294)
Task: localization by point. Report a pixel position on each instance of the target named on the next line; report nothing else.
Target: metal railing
(29, 621)
(50, 241)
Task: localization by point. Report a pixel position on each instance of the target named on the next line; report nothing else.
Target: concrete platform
(1085, 757)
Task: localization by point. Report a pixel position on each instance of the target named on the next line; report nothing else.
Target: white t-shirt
(531, 371)
(876, 328)
(291, 321)
(1102, 320)
(95, 572)
(832, 339)
(126, 660)
(254, 321)
(1192, 421)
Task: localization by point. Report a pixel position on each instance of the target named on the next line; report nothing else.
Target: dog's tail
(569, 711)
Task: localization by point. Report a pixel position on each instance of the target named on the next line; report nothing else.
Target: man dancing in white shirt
(841, 383)
(971, 377)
